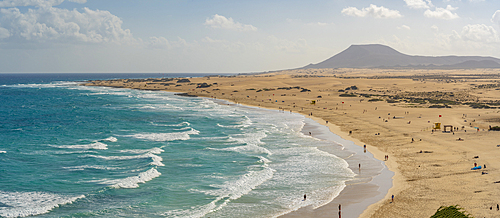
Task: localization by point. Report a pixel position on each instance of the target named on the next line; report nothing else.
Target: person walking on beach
(392, 198)
(340, 211)
(305, 197)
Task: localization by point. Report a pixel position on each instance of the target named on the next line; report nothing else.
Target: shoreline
(371, 182)
(370, 185)
(375, 181)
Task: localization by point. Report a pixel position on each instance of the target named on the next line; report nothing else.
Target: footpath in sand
(393, 113)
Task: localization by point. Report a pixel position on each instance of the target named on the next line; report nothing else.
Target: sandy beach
(392, 112)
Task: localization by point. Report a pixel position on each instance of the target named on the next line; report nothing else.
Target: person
(305, 197)
(485, 166)
(340, 207)
(475, 164)
(392, 198)
(359, 165)
(498, 208)
(412, 140)
(309, 133)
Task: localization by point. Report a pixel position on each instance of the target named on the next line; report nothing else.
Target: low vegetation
(451, 211)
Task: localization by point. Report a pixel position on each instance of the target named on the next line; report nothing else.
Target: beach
(393, 113)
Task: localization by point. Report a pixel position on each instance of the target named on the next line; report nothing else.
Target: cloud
(479, 33)
(46, 24)
(37, 3)
(442, 13)
(496, 17)
(4, 33)
(158, 43)
(79, 1)
(435, 28)
(373, 11)
(403, 27)
(418, 4)
(221, 22)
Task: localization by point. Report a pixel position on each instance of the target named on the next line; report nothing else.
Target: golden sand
(432, 169)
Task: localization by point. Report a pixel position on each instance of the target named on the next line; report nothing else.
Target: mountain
(381, 56)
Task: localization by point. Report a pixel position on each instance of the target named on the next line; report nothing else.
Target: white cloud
(418, 4)
(496, 17)
(37, 3)
(442, 13)
(479, 33)
(221, 22)
(403, 27)
(4, 33)
(372, 11)
(158, 43)
(435, 28)
(79, 1)
(61, 25)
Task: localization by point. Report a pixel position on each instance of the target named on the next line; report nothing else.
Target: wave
(162, 137)
(23, 204)
(157, 160)
(141, 151)
(95, 167)
(230, 190)
(179, 124)
(3, 152)
(42, 85)
(245, 149)
(95, 145)
(110, 139)
(133, 181)
(242, 124)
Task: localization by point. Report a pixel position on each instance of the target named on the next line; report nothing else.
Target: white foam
(3, 152)
(47, 85)
(22, 204)
(179, 124)
(133, 181)
(245, 149)
(163, 137)
(230, 190)
(95, 145)
(141, 151)
(96, 167)
(110, 139)
(157, 160)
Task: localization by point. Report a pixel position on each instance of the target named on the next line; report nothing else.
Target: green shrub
(451, 211)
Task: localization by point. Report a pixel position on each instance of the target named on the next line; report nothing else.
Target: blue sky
(232, 36)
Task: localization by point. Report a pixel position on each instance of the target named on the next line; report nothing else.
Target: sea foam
(163, 137)
(133, 181)
(110, 139)
(157, 160)
(22, 204)
(95, 145)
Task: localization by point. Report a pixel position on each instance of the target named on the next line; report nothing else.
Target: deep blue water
(74, 151)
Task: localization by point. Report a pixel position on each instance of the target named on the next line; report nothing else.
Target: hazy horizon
(90, 36)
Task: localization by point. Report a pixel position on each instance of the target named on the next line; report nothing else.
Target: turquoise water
(73, 151)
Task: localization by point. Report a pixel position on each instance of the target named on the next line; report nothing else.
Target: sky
(222, 36)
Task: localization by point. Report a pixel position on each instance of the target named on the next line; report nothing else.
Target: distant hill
(381, 56)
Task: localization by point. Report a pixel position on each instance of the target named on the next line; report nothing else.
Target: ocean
(76, 151)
